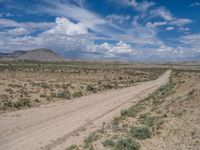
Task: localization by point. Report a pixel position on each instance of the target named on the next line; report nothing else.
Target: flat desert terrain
(117, 107)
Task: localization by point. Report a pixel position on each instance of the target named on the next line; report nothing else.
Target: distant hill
(32, 55)
(14, 54)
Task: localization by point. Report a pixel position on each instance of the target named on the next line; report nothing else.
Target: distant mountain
(32, 55)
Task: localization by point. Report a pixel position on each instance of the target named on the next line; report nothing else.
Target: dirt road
(58, 125)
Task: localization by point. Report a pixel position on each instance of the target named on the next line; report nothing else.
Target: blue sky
(135, 30)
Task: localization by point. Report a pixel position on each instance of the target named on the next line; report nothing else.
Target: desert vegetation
(166, 119)
(27, 84)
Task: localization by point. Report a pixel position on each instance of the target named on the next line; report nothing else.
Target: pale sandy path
(58, 125)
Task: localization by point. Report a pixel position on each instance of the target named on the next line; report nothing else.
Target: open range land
(96, 105)
(29, 84)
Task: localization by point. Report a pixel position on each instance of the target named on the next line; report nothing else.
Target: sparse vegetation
(22, 102)
(140, 133)
(51, 81)
(150, 116)
(88, 141)
(108, 143)
(143, 113)
(72, 147)
(65, 94)
(127, 144)
(77, 94)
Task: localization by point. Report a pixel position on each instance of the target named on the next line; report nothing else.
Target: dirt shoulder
(58, 125)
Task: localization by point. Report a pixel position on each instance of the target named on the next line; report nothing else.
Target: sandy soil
(58, 125)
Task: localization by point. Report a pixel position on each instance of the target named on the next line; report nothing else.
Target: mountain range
(32, 55)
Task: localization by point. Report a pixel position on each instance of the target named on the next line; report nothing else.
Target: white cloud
(181, 21)
(71, 31)
(18, 31)
(113, 19)
(78, 14)
(118, 48)
(196, 4)
(64, 26)
(163, 13)
(139, 6)
(167, 16)
(184, 29)
(165, 49)
(3, 14)
(192, 42)
(144, 6)
(155, 24)
(6, 23)
(170, 28)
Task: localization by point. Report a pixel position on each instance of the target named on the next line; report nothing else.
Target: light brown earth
(61, 124)
(168, 119)
(30, 84)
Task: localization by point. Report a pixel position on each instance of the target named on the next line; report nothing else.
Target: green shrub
(147, 120)
(77, 94)
(43, 95)
(108, 143)
(91, 88)
(120, 78)
(64, 94)
(8, 103)
(107, 86)
(44, 85)
(140, 133)
(88, 141)
(191, 92)
(53, 94)
(22, 102)
(127, 144)
(124, 112)
(72, 147)
(9, 90)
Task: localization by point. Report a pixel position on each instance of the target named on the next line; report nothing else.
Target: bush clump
(91, 88)
(64, 94)
(124, 112)
(88, 141)
(22, 102)
(108, 143)
(77, 94)
(140, 133)
(127, 144)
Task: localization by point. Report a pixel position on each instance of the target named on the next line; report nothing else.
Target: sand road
(58, 125)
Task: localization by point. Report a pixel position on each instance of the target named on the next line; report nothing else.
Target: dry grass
(41, 83)
(167, 119)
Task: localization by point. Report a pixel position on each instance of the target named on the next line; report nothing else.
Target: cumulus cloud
(192, 42)
(75, 28)
(76, 13)
(64, 26)
(118, 48)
